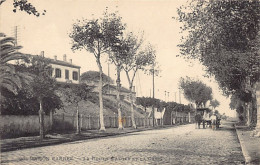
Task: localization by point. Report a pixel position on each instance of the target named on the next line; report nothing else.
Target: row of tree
(159, 104)
(33, 88)
(225, 37)
(108, 36)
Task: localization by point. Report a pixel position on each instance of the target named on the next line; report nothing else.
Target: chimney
(55, 58)
(64, 58)
(70, 61)
(42, 54)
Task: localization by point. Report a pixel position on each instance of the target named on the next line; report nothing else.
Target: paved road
(178, 145)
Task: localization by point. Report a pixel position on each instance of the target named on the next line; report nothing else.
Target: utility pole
(168, 96)
(153, 95)
(180, 95)
(108, 72)
(165, 95)
(175, 96)
(15, 35)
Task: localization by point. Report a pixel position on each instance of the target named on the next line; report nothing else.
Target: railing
(68, 122)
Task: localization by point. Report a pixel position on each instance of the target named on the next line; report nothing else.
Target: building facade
(64, 71)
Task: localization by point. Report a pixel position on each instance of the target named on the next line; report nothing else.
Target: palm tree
(9, 78)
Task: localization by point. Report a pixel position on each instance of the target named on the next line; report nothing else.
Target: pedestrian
(213, 119)
(198, 120)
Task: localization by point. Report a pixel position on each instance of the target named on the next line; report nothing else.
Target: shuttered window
(57, 73)
(75, 75)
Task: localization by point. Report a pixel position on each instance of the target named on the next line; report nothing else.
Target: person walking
(213, 119)
(198, 119)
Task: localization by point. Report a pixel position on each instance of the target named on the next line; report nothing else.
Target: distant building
(124, 93)
(65, 71)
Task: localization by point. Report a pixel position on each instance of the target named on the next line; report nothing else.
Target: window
(75, 75)
(67, 74)
(57, 73)
(50, 72)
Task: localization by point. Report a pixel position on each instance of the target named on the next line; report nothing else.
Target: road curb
(246, 155)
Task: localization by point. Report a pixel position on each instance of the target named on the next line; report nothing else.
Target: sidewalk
(51, 139)
(250, 145)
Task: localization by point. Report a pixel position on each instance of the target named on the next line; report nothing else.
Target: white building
(65, 71)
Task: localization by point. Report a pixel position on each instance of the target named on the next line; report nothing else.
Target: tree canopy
(93, 76)
(24, 5)
(195, 91)
(214, 103)
(224, 36)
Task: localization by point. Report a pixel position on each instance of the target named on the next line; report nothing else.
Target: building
(65, 71)
(124, 93)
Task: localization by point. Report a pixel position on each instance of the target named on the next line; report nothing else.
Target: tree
(93, 76)
(214, 103)
(135, 59)
(97, 36)
(8, 51)
(24, 5)
(224, 36)
(195, 91)
(10, 79)
(43, 85)
(116, 55)
(73, 94)
(24, 103)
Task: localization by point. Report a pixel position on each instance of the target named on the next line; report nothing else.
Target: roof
(123, 89)
(58, 62)
(63, 63)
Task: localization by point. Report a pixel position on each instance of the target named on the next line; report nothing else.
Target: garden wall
(17, 126)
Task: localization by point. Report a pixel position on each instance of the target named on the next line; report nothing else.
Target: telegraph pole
(180, 95)
(153, 95)
(15, 35)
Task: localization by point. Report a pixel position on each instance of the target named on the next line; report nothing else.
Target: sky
(50, 33)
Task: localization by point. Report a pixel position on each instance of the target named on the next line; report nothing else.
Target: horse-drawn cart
(203, 117)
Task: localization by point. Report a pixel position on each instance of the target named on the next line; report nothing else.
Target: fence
(68, 122)
(15, 126)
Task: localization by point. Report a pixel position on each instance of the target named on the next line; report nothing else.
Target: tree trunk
(248, 114)
(41, 120)
(258, 107)
(77, 121)
(257, 128)
(120, 124)
(189, 117)
(51, 119)
(101, 115)
(132, 107)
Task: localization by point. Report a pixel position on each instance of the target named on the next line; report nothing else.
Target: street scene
(130, 82)
(178, 145)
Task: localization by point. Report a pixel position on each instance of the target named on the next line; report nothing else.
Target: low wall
(64, 122)
(17, 126)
